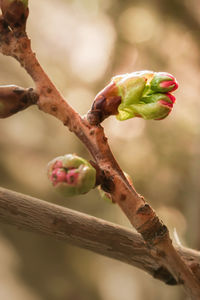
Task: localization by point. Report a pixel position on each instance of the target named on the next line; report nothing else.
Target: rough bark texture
(14, 42)
(100, 236)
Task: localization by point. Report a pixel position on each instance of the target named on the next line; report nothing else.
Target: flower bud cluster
(71, 175)
(145, 94)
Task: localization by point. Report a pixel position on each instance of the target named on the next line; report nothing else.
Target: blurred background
(81, 45)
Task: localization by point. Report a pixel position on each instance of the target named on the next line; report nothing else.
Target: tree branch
(14, 99)
(108, 239)
(14, 42)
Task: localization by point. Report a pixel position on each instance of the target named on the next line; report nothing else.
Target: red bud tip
(72, 177)
(58, 164)
(166, 84)
(171, 97)
(57, 176)
(163, 82)
(165, 103)
(60, 174)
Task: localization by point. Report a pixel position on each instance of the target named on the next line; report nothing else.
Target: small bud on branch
(163, 83)
(14, 99)
(142, 94)
(77, 178)
(71, 175)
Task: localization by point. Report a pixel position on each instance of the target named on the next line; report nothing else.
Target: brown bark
(14, 99)
(16, 44)
(100, 236)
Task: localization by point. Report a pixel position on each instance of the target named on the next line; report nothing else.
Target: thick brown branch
(140, 214)
(28, 213)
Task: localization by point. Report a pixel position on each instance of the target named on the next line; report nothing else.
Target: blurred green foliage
(81, 45)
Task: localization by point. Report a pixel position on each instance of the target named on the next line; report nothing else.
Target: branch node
(106, 181)
(151, 228)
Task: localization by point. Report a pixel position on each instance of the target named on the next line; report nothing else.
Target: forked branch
(14, 42)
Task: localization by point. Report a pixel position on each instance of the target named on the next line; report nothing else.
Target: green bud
(153, 107)
(163, 83)
(142, 94)
(71, 175)
(130, 88)
(140, 97)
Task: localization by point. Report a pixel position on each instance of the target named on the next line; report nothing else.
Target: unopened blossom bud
(142, 94)
(15, 12)
(163, 83)
(153, 107)
(71, 175)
